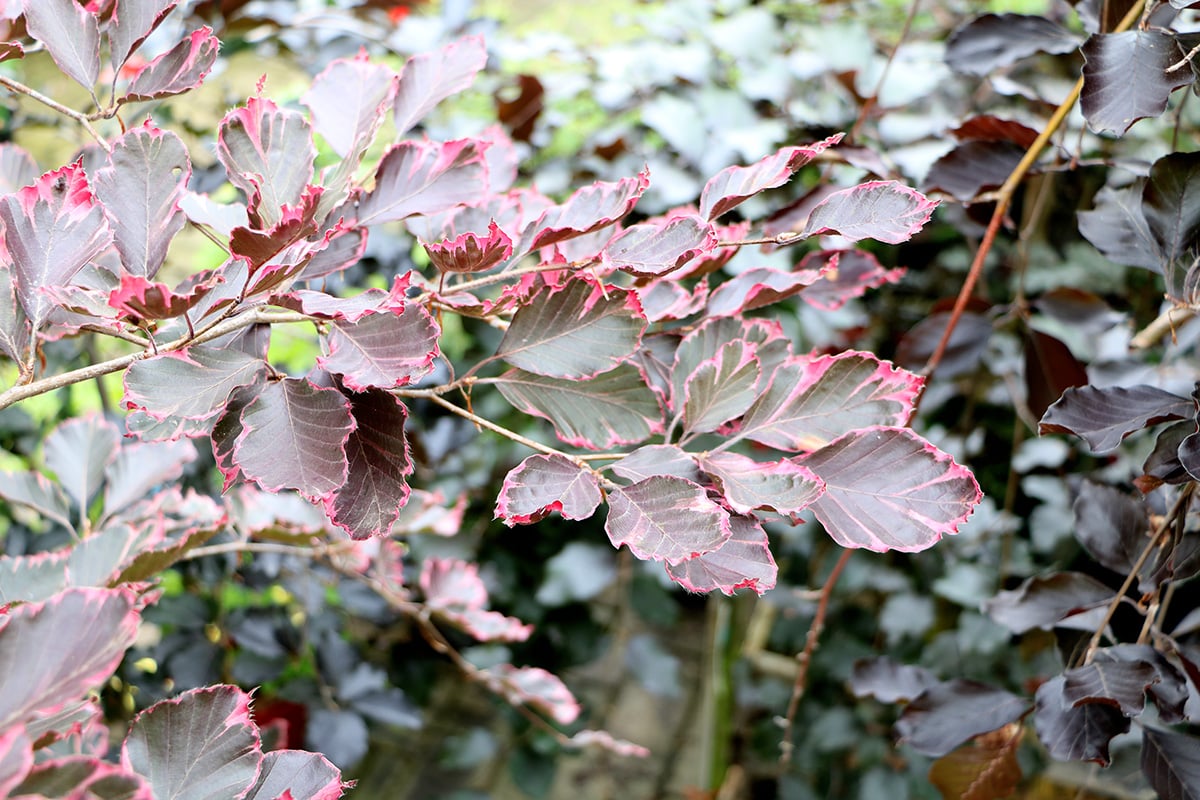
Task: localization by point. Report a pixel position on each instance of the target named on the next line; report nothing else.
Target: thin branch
(1183, 62)
(82, 119)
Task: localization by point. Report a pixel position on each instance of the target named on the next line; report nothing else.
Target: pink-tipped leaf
(744, 561)
(383, 350)
(429, 78)
(541, 484)
(885, 211)
(181, 69)
(424, 178)
(71, 34)
(665, 519)
(268, 153)
(732, 186)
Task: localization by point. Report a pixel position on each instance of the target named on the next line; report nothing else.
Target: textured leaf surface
(1044, 601)
(52, 229)
(382, 350)
(268, 153)
(202, 745)
(812, 401)
(951, 713)
(16, 758)
(538, 688)
(588, 209)
(192, 385)
(1171, 763)
(132, 21)
(348, 100)
(577, 331)
(1121, 684)
(470, 252)
(991, 41)
(730, 187)
(758, 287)
(781, 486)
(53, 652)
(307, 776)
(889, 489)
(611, 409)
(743, 561)
(885, 211)
(656, 459)
(722, 388)
(1171, 207)
(1117, 227)
(1125, 77)
(78, 451)
(888, 681)
(429, 78)
(424, 178)
(857, 271)
(293, 436)
(653, 249)
(984, 769)
(541, 484)
(182, 68)
(1075, 733)
(378, 465)
(665, 519)
(14, 326)
(1102, 417)
(1113, 526)
(71, 34)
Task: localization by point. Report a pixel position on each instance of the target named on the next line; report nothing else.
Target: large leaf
(53, 652)
(656, 459)
(78, 451)
(1171, 206)
(202, 745)
(589, 209)
(429, 78)
(656, 248)
(424, 178)
(348, 100)
(190, 385)
(784, 486)
(732, 186)
(1045, 601)
(666, 519)
(1075, 732)
(951, 713)
(1121, 684)
(577, 331)
(886, 211)
(991, 41)
(1117, 227)
(132, 21)
(52, 229)
(541, 484)
(306, 776)
(982, 769)
(268, 153)
(1102, 417)
(83, 777)
(1126, 77)
(889, 489)
(378, 465)
(180, 69)
(382, 350)
(743, 561)
(720, 389)
(1171, 763)
(973, 167)
(16, 758)
(293, 437)
(71, 34)
(813, 400)
(34, 490)
(611, 409)
(140, 190)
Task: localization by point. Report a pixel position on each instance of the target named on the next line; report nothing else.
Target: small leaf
(577, 331)
(889, 489)
(758, 287)
(132, 21)
(721, 388)
(181, 69)
(455, 591)
(305, 776)
(1113, 526)
(382, 350)
(424, 178)
(655, 249)
(1126, 77)
(268, 153)
(743, 561)
(1171, 207)
(538, 688)
(470, 253)
(732, 186)
(1117, 226)
(972, 168)
(854, 273)
(1075, 733)
(71, 34)
(784, 487)
(589, 209)
(951, 713)
(656, 459)
(141, 299)
(1171, 763)
(1043, 602)
(1102, 417)
(541, 484)
(992, 41)
(888, 681)
(666, 519)
(429, 78)
(886, 211)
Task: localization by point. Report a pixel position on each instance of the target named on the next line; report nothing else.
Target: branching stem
(82, 119)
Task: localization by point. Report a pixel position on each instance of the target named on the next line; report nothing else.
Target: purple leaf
(889, 489)
(657, 248)
(578, 331)
(202, 745)
(656, 459)
(304, 776)
(14, 326)
(34, 490)
(86, 776)
(140, 190)
(589, 209)
(1102, 417)
(889, 682)
(721, 389)
(382, 350)
(71, 34)
(992, 41)
(666, 519)
(140, 299)
(1171, 763)
(1117, 227)
(139, 468)
(1113, 527)
(1126, 77)
(758, 287)
(376, 488)
(269, 244)
(770, 347)
(132, 21)
(1171, 209)
(52, 229)
(1075, 733)
(268, 154)
(1120, 684)
(973, 167)
(854, 273)
(886, 211)
(605, 741)
(742, 561)
(424, 178)
(293, 437)
(348, 100)
(227, 430)
(536, 687)
(190, 385)
(541, 484)
(455, 591)
(667, 300)
(78, 451)
(321, 305)
(733, 185)
(471, 253)
(611, 409)
(16, 758)
(53, 652)
(951, 713)
(785, 487)
(813, 400)
(1045, 601)
(429, 78)
(179, 70)
(342, 250)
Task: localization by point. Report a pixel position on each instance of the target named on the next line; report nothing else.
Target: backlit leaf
(71, 34)
(383, 350)
(424, 178)
(541, 484)
(78, 451)
(889, 489)
(181, 69)
(537, 687)
(348, 100)
(951, 713)
(885, 211)
(1126, 77)
(306, 776)
(665, 519)
(781, 486)
(577, 331)
(730, 187)
(268, 153)
(743, 561)
(429, 78)
(1102, 417)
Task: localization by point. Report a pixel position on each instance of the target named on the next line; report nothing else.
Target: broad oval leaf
(1102, 417)
(886, 211)
(382, 350)
(888, 681)
(758, 287)
(730, 187)
(857, 271)
(132, 21)
(53, 652)
(1171, 210)
(348, 100)
(138, 468)
(202, 745)
(743, 561)
(181, 69)
(889, 489)
(611, 409)
(71, 34)
(429, 78)
(189, 385)
(1075, 733)
(656, 459)
(268, 153)
(1118, 228)
(653, 249)
(1121, 684)
(34, 490)
(1044, 601)
(951, 713)
(306, 776)
(537, 687)
(666, 519)
(78, 452)
(589, 209)
(293, 436)
(785, 487)
(722, 388)
(544, 483)
(424, 178)
(1171, 763)
(577, 331)
(1126, 77)
(991, 41)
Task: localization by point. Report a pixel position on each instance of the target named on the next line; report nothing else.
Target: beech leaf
(743, 561)
(544, 483)
(948, 714)
(1103, 417)
(666, 519)
(1171, 763)
(424, 178)
(1117, 227)
(132, 21)
(732, 186)
(589, 209)
(1075, 733)
(429, 78)
(1045, 601)
(785, 487)
(656, 248)
(991, 41)
(304, 776)
(1126, 77)
(537, 687)
(656, 459)
(268, 153)
(1171, 208)
(190, 385)
(758, 287)
(886, 211)
(982, 769)
(471, 253)
(1121, 684)
(854, 273)
(722, 388)
(348, 100)
(78, 451)
(888, 681)
(181, 69)
(455, 591)
(71, 34)
(383, 350)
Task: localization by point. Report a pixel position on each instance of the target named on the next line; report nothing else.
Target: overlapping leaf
(132, 21)
(722, 388)
(454, 590)
(1103, 417)
(855, 272)
(429, 78)
(589, 209)
(732, 186)
(348, 100)
(78, 452)
(656, 459)
(14, 326)
(784, 486)
(1171, 207)
(1126, 77)
(982, 769)
(1075, 733)
(469, 252)
(1171, 763)
(541, 484)
(657, 248)
(889, 489)
(1121, 684)
(539, 688)
(886, 211)
(951, 713)
(666, 519)
(1117, 227)
(382, 350)
(424, 178)
(758, 287)
(71, 34)
(34, 490)
(139, 468)
(190, 385)
(1045, 601)
(180, 69)
(577, 331)
(268, 153)
(304, 776)
(743, 561)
